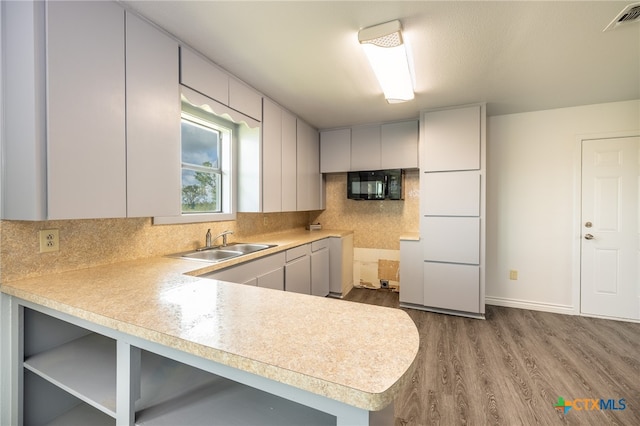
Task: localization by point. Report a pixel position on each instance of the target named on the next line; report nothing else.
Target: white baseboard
(611, 318)
(534, 306)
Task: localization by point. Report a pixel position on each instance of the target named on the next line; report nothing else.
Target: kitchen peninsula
(150, 342)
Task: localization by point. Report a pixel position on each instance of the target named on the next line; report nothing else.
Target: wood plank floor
(511, 368)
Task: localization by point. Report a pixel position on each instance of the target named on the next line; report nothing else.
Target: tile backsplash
(92, 242)
(376, 224)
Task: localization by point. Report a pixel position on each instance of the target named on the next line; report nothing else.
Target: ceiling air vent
(629, 14)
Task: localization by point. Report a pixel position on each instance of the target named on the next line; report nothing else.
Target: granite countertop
(338, 349)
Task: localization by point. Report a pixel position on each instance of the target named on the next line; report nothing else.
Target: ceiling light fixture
(385, 48)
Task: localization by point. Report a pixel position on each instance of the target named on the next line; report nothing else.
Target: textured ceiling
(516, 56)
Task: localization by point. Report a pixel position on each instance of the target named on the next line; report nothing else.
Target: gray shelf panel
(188, 396)
(85, 367)
(83, 415)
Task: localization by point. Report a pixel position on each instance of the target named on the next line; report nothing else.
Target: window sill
(194, 218)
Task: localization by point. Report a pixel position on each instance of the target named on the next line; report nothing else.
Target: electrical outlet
(513, 274)
(49, 240)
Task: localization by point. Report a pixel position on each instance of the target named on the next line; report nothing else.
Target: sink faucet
(224, 237)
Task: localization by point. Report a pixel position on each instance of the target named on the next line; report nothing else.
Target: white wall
(533, 163)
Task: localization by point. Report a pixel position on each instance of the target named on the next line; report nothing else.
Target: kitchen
(516, 142)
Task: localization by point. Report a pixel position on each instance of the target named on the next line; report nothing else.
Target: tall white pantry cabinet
(444, 270)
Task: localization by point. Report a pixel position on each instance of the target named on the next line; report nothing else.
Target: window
(211, 135)
(207, 146)
(202, 164)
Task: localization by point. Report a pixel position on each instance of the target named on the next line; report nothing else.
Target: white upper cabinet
(399, 145)
(309, 180)
(335, 151)
(285, 168)
(153, 121)
(244, 99)
(203, 76)
(452, 140)
(289, 162)
(365, 148)
(24, 162)
(271, 157)
(99, 114)
(86, 151)
(370, 147)
(279, 158)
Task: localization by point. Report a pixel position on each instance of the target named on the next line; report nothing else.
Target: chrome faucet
(209, 241)
(224, 237)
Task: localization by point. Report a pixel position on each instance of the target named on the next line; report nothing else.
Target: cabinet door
(451, 140)
(289, 159)
(273, 279)
(341, 264)
(399, 145)
(271, 157)
(365, 148)
(335, 151)
(203, 76)
(320, 272)
(244, 99)
(451, 193)
(153, 122)
(451, 239)
(411, 270)
(450, 286)
(297, 275)
(24, 161)
(86, 158)
(309, 182)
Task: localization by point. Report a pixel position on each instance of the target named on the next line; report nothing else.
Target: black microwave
(375, 185)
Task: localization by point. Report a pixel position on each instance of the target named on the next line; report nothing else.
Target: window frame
(223, 132)
(198, 105)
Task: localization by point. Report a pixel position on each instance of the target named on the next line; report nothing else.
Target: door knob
(588, 225)
(588, 237)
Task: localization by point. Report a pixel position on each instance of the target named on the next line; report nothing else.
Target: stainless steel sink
(218, 254)
(248, 248)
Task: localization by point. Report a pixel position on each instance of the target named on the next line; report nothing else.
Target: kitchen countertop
(355, 353)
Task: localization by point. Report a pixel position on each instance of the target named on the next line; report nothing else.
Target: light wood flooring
(511, 368)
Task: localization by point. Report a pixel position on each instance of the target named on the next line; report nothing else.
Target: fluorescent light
(387, 55)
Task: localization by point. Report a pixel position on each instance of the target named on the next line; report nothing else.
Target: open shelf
(175, 393)
(83, 415)
(171, 392)
(84, 367)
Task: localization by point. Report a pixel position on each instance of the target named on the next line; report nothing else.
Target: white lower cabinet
(272, 279)
(70, 379)
(308, 269)
(263, 272)
(320, 270)
(297, 270)
(452, 286)
(411, 270)
(340, 265)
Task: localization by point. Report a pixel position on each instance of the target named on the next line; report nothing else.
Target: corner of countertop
(410, 236)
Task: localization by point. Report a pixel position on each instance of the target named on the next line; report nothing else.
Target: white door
(610, 216)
